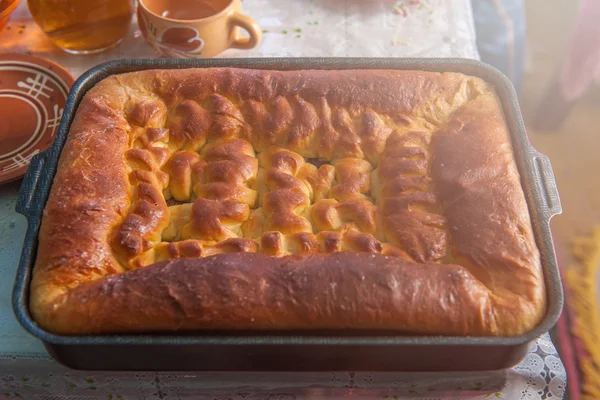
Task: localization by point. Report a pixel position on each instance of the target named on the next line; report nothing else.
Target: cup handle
(250, 26)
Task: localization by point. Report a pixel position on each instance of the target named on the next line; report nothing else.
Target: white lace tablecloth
(540, 376)
(294, 28)
(434, 28)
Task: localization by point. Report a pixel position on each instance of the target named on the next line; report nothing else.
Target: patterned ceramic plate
(33, 93)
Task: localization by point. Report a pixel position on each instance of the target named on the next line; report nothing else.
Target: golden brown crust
(243, 199)
(254, 291)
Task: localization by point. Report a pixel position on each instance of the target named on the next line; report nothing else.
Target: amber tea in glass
(83, 26)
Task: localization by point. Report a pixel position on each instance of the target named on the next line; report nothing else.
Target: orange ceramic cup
(196, 28)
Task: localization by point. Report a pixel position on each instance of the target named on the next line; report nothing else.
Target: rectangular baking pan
(294, 350)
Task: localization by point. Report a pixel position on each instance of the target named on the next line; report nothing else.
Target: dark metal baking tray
(294, 351)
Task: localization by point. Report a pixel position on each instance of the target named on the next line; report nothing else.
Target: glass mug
(83, 26)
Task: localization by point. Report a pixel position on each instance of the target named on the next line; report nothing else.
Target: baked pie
(237, 199)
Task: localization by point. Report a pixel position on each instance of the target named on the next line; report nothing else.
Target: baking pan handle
(25, 202)
(547, 184)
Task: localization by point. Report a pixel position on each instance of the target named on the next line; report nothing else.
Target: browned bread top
(374, 199)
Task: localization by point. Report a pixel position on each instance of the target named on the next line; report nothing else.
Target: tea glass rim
(7, 11)
(175, 20)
